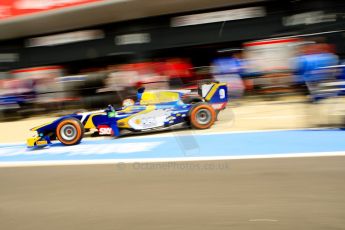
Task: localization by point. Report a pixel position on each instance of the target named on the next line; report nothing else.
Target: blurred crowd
(265, 68)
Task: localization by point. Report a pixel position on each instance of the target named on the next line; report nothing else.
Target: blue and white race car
(152, 111)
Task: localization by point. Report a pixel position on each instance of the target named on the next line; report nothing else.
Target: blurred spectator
(230, 70)
(179, 72)
(313, 66)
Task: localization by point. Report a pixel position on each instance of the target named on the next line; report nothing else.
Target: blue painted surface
(231, 144)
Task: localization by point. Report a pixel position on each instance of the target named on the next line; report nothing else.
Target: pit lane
(297, 183)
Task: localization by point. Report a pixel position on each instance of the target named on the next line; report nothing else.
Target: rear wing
(214, 93)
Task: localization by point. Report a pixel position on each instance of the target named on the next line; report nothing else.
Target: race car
(152, 111)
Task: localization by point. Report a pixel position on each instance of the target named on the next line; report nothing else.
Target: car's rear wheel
(70, 131)
(202, 116)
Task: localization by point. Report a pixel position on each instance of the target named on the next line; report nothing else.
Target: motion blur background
(283, 61)
(58, 55)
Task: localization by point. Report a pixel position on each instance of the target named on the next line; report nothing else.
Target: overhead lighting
(229, 50)
(9, 57)
(218, 16)
(65, 38)
(129, 39)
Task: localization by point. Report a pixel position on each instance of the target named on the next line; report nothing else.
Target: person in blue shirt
(230, 70)
(312, 67)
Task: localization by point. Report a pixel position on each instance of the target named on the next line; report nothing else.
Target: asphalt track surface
(289, 193)
(279, 189)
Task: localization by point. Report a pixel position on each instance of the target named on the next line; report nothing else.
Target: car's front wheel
(70, 131)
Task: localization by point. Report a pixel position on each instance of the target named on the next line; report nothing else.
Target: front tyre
(70, 131)
(202, 116)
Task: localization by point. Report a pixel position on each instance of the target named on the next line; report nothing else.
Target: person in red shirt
(179, 72)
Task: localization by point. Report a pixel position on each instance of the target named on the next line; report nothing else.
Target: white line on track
(263, 220)
(156, 160)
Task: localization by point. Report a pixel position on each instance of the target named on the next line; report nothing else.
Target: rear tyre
(70, 131)
(202, 116)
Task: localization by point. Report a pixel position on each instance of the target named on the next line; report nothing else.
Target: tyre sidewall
(192, 116)
(77, 125)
